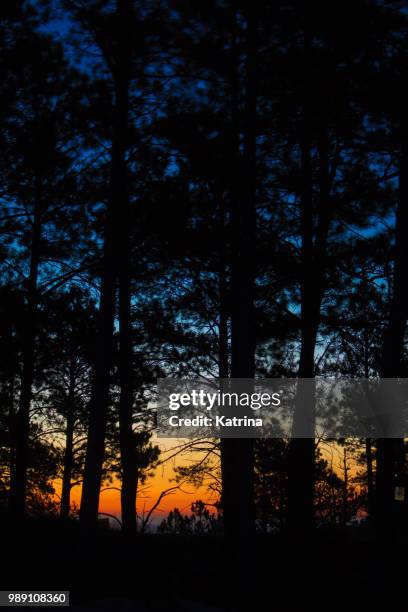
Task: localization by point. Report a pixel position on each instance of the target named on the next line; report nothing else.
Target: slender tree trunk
(129, 466)
(238, 477)
(313, 257)
(69, 446)
(237, 455)
(19, 485)
(223, 360)
(127, 440)
(223, 352)
(302, 451)
(226, 447)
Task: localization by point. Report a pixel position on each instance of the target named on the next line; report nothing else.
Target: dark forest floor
(336, 570)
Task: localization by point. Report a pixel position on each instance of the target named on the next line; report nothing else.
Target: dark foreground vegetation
(344, 568)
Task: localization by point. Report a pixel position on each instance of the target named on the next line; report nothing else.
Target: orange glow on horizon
(150, 491)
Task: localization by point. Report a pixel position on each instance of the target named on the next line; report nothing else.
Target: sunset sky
(149, 492)
(182, 498)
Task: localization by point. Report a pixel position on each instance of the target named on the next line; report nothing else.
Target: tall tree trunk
(19, 484)
(223, 352)
(223, 360)
(238, 454)
(69, 446)
(127, 439)
(313, 258)
(238, 460)
(301, 451)
(226, 446)
(129, 468)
